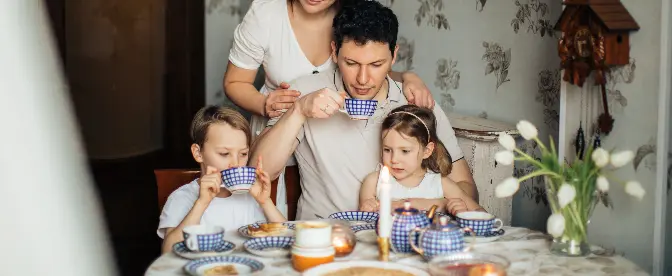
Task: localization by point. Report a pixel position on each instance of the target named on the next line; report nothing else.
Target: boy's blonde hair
(209, 115)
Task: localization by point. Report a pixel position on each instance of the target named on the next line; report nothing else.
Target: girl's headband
(429, 137)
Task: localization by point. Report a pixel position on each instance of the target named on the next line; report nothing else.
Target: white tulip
(507, 141)
(566, 194)
(600, 157)
(619, 159)
(602, 184)
(504, 157)
(507, 188)
(527, 130)
(635, 189)
(555, 225)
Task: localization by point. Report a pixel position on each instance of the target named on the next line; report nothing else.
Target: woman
(290, 38)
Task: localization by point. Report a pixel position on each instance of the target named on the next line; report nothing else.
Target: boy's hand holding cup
(209, 184)
(261, 189)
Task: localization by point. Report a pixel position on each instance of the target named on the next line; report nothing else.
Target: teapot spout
(431, 212)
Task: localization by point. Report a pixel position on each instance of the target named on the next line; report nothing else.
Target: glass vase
(574, 240)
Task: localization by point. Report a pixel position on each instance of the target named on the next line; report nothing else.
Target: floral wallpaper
(482, 63)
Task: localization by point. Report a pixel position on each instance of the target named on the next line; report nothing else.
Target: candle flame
(385, 174)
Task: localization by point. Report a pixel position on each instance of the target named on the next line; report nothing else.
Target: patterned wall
(493, 59)
(633, 102)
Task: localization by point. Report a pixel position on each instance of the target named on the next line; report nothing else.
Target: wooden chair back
(168, 180)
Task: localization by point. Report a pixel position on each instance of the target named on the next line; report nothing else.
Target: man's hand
(322, 103)
(416, 92)
(261, 189)
(209, 185)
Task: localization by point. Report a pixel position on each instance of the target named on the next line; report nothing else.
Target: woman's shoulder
(267, 8)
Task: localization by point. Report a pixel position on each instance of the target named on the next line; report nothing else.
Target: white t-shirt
(231, 212)
(265, 38)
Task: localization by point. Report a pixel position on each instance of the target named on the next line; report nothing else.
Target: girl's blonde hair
(420, 122)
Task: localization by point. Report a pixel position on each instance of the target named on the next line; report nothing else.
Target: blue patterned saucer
(243, 230)
(365, 232)
(356, 216)
(181, 250)
(269, 246)
(242, 265)
(488, 237)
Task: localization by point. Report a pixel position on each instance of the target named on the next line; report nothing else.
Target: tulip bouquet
(573, 189)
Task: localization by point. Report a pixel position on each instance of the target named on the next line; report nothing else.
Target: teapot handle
(415, 243)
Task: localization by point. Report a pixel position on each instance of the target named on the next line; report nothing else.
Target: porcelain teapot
(404, 220)
(438, 239)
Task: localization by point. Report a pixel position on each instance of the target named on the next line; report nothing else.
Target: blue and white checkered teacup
(239, 180)
(481, 223)
(201, 238)
(360, 109)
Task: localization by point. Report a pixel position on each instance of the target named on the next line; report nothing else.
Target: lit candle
(385, 220)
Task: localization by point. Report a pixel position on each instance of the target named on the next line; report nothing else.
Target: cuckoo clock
(595, 35)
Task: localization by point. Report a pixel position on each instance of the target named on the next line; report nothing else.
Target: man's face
(363, 67)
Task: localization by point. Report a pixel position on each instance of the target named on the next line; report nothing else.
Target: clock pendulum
(580, 140)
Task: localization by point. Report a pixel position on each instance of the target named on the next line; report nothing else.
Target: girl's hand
(370, 205)
(455, 206)
(261, 189)
(416, 92)
(279, 100)
(209, 185)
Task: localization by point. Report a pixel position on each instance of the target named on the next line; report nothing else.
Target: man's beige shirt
(335, 154)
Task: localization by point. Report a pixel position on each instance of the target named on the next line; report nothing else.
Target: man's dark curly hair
(363, 21)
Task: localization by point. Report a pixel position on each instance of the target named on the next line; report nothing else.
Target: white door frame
(660, 204)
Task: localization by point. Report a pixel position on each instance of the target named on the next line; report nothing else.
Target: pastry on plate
(221, 270)
(267, 229)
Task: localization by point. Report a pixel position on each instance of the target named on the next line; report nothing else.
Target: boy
(221, 139)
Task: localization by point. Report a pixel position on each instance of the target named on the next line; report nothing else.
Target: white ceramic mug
(199, 238)
(313, 234)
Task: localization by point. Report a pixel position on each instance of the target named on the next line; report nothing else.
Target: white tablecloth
(527, 250)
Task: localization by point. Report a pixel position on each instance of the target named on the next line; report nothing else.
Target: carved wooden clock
(594, 37)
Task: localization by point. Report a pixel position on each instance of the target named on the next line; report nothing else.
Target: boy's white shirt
(231, 212)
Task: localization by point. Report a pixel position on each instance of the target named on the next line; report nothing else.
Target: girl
(221, 139)
(419, 165)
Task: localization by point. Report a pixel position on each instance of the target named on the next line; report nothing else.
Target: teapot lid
(407, 209)
(443, 224)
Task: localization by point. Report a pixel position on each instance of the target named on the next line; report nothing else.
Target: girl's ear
(429, 149)
(196, 152)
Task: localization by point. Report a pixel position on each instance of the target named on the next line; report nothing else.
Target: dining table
(527, 251)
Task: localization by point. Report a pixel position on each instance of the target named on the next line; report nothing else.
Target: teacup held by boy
(239, 180)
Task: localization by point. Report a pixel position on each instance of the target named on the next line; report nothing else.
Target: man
(335, 153)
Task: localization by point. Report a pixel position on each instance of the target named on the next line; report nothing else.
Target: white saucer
(181, 250)
(495, 235)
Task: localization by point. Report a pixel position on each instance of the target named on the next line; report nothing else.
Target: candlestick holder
(383, 249)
